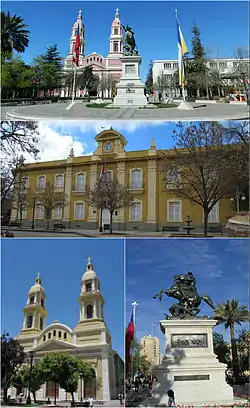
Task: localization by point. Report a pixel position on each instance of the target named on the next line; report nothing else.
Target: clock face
(108, 146)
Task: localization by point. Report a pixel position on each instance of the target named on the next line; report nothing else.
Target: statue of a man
(130, 46)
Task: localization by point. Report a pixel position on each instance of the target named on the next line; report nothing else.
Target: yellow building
(153, 206)
(89, 340)
(150, 348)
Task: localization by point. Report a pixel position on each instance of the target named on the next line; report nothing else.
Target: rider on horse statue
(129, 48)
(185, 291)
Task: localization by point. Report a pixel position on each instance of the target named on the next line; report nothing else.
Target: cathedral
(107, 69)
(89, 340)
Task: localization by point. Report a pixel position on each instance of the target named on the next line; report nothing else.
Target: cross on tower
(89, 260)
(117, 11)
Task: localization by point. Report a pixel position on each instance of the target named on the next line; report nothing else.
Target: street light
(238, 196)
(31, 353)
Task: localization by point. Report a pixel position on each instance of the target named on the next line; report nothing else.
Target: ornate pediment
(110, 134)
(53, 345)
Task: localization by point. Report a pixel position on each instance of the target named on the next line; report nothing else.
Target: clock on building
(108, 146)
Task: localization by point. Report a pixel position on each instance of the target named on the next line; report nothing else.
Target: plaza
(58, 111)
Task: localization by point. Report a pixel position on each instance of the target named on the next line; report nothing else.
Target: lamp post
(238, 196)
(31, 353)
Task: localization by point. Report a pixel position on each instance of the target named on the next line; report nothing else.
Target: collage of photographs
(125, 201)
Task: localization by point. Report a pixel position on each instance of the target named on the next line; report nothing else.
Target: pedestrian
(120, 397)
(171, 400)
(90, 401)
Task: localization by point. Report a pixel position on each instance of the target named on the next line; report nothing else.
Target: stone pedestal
(130, 89)
(190, 368)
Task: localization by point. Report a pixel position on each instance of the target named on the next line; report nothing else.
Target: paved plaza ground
(212, 111)
(74, 233)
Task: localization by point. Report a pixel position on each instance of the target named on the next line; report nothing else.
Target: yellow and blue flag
(182, 50)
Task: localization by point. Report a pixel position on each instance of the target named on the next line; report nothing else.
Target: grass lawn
(161, 105)
(97, 105)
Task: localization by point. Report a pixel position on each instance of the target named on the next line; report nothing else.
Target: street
(38, 234)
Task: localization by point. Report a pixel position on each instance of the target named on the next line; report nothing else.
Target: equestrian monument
(190, 368)
(130, 89)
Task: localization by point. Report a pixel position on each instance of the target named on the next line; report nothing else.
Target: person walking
(90, 401)
(171, 399)
(120, 397)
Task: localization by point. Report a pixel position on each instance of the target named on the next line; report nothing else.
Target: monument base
(130, 89)
(185, 106)
(190, 368)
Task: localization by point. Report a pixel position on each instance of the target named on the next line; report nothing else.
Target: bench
(59, 225)
(170, 228)
(14, 224)
(80, 404)
(106, 227)
(215, 229)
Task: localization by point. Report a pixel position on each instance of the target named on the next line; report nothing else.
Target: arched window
(30, 321)
(49, 335)
(44, 338)
(41, 323)
(116, 47)
(116, 31)
(136, 211)
(42, 302)
(26, 182)
(136, 178)
(89, 311)
(80, 182)
(88, 287)
(32, 300)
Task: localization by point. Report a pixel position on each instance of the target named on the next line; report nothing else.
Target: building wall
(151, 349)
(154, 198)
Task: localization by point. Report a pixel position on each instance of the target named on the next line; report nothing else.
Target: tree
(49, 199)
(19, 136)
(49, 66)
(15, 76)
(242, 343)
(12, 356)
(161, 83)
(203, 166)
(138, 360)
(87, 79)
(221, 348)
(109, 194)
(24, 379)
(196, 65)
(149, 80)
(14, 34)
(230, 313)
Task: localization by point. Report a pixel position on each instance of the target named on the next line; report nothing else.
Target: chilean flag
(128, 338)
(77, 46)
(103, 170)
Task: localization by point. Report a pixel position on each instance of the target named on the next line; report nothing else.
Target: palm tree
(14, 34)
(230, 313)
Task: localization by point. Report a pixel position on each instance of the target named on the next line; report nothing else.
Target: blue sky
(220, 267)
(61, 263)
(153, 23)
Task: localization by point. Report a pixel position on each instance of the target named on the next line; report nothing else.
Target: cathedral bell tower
(34, 311)
(73, 38)
(91, 323)
(116, 37)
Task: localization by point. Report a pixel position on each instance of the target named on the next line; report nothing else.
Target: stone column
(121, 179)
(92, 218)
(94, 309)
(67, 192)
(152, 196)
(25, 321)
(105, 378)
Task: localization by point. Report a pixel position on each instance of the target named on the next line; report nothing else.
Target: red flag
(77, 46)
(103, 170)
(128, 338)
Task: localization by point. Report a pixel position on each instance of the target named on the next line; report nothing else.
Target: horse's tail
(208, 300)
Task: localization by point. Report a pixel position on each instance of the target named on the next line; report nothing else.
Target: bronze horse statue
(189, 299)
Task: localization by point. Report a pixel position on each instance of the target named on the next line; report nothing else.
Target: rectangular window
(174, 211)
(24, 211)
(175, 65)
(235, 65)
(136, 178)
(26, 182)
(222, 65)
(59, 181)
(213, 216)
(213, 65)
(136, 211)
(80, 182)
(58, 212)
(173, 175)
(41, 182)
(39, 212)
(79, 211)
(167, 65)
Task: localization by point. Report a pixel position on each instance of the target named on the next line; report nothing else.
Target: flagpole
(134, 306)
(74, 85)
(182, 60)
